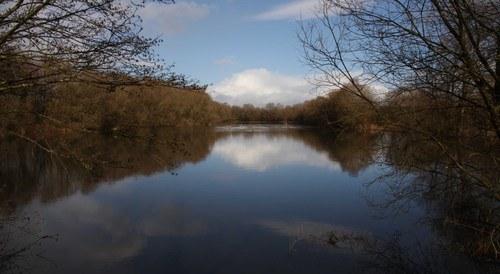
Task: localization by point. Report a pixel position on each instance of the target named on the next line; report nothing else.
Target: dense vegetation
(338, 109)
(90, 107)
(130, 108)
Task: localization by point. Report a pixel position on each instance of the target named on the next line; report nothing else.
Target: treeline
(338, 109)
(115, 104)
(177, 102)
(132, 107)
(126, 109)
(90, 107)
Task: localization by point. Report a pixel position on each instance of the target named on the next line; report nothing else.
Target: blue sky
(247, 49)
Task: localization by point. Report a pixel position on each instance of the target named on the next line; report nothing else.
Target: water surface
(238, 199)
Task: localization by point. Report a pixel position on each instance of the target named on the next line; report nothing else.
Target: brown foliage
(338, 109)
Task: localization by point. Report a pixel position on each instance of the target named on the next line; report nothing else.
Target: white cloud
(298, 9)
(261, 86)
(172, 19)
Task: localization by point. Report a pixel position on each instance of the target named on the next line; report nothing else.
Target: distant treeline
(177, 102)
(117, 103)
(129, 108)
(338, 109)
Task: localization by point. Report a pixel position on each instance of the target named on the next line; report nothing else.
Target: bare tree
(440, 60)
(447, 49)
(48, 41)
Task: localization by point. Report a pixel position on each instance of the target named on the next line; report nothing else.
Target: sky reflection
(256, 194)
(262, 152)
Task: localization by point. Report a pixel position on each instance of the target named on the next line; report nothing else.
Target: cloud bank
(261, 86)
(172, 19)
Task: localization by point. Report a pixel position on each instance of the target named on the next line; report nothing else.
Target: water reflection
(27, 172)
(232, 200)
(103, 232)
(465, 212)
(247, 147)
(263, 152)
(114, 235)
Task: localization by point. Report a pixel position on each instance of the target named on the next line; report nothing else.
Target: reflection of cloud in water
(261, 152)
(171, 221)
(94, 230)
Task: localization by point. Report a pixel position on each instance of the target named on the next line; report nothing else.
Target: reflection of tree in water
(390, 255)
(465, 214)
(463, 210)
(27, 171)
(353, 151)
(19, 238)
(79, 164)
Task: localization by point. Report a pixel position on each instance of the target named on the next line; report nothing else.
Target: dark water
(239, 199)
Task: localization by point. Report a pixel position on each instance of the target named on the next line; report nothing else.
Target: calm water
(239, 199)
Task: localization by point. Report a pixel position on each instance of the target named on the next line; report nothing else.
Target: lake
(233, 199)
